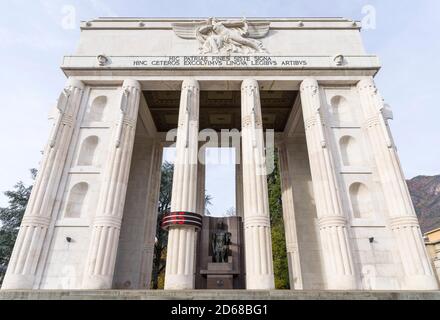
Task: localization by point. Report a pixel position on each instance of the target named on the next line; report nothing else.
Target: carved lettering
(219, 61)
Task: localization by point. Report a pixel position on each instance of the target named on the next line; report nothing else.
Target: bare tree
(231, 212)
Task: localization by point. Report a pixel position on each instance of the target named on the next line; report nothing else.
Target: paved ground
(218, 295)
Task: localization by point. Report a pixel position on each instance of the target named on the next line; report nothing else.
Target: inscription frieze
(219, 61)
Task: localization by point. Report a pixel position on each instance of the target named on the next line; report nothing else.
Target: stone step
(217, 295)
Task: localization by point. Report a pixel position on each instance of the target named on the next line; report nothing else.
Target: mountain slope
(425, 193)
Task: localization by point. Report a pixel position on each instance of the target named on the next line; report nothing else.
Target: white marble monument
(349, 220)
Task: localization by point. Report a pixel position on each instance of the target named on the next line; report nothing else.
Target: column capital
(190, 84)
(367, 84)
(249, 84)
(309, 84)
(131, 83)
(251, 105)
(74, 83)
(311, 103)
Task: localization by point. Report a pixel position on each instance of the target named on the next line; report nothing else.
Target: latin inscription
(219, 61)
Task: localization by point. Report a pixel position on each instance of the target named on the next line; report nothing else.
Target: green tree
(281, 268)
(10, 220)
(159, 261)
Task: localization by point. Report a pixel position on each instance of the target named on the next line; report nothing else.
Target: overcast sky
(34, 36)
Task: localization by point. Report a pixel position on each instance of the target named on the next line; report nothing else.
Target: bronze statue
(220, 245)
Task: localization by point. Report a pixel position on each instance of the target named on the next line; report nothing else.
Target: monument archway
(219, 109)
(92, 216)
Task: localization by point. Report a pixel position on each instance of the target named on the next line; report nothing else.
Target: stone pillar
(293, 257)
(100, 263)
(180, 266)
(338, 261)
(201, 209)
(259, 264)
(21, 273)
(152, 212)
(239, 187)
(403, 220)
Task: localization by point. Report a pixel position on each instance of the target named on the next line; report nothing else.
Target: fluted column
(28, 247)
(338, 261)
(259, 264)
(152, 212)
(293, 257)
(106, 228)
(239, 187)
(403, 220)
(180, 266)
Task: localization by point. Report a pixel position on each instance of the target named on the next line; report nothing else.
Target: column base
(420, 283)
(295, 276)
(419, 274)
(340, 271)
(338, 282)
(179, 282)
(18, 282)
(147, 267)
(180, 270)
(260, 282)
(98, 283)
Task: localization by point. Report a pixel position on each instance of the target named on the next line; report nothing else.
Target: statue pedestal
(220, 276)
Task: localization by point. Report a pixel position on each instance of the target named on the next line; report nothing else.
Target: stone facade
(349, 220)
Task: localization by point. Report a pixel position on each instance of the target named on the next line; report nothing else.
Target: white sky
(34, 38)
(219, 178)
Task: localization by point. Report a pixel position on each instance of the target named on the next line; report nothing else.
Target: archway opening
(220, 182)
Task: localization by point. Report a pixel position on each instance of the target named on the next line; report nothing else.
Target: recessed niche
(340, 108)
(97, 109)
(76, 202)
(87, 155)
(361, 201)
(351, 151)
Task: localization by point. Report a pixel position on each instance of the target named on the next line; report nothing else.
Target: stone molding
(256, 221)
(332, 221)
(403, 222)
(35, 221)
(107, 221)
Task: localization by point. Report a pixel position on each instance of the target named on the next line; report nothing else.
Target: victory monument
(136, 86)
